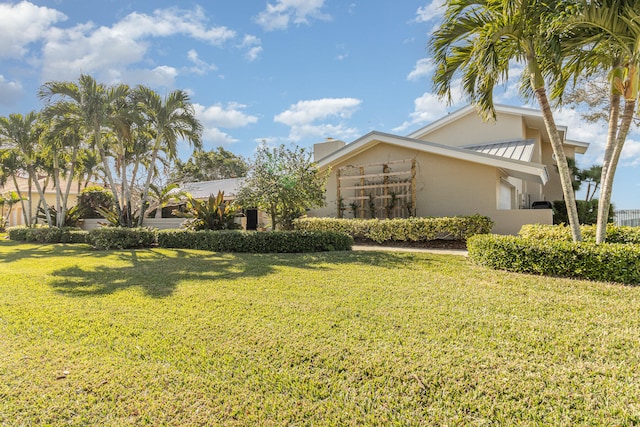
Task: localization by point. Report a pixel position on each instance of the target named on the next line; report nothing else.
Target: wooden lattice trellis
(377, 190)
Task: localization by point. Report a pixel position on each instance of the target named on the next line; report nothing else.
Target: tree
(163, 195)
(482, 39)
(170, 119)
(23, 133)
(283, 182)
(210, 166)
(607, 40)
(91, 105)
(592, 177)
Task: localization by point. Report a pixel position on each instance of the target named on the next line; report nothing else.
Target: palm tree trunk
(607, 177)
(145, 190)
(563, 168)
(45, 206)
(65, 198)
(24, 211)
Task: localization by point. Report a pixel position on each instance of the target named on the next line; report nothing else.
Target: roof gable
(516, 168)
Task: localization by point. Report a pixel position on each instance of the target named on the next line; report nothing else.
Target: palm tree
(11, 165)
(170, 119)
(91, 104)
(163, 195)
(24, 133)
(481, 39)
(608, 40)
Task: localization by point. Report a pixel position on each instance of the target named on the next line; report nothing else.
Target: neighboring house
(17, 216)
(252, 219)
(458, 165)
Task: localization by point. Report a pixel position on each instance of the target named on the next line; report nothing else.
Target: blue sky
(284, 71)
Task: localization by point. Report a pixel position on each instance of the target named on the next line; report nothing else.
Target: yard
(180, 337)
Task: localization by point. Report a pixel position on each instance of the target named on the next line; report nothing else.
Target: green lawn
(181, 338)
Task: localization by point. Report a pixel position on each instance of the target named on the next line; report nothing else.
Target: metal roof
(515, 150)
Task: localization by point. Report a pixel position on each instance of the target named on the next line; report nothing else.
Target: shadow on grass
(158, 272)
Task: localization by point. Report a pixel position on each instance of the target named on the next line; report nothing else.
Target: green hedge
(615, 234)
(47, 235)
(401, 229)
(587, 212)
(247, 241)
(606, 262)
(121, 238)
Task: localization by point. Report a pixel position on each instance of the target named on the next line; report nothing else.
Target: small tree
(210, 166)
(283, 182)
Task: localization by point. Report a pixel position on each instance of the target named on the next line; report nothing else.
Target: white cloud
(218, 116)
(90, 49)
(22, 24)
(430, 107)
(302, 118)
(200, 67)
(278, 16)
(163, 76)
(431, 11)
(253, 45)
(423, 68)
(230, 116)
(10, 91)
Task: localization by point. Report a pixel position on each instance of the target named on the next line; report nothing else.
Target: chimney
(323, 149)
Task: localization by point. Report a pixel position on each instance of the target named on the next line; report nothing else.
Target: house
(252, 218)
(28, 191)
(458, 165)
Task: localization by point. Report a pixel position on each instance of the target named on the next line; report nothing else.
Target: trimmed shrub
(554, 233)
(606, 262)
(92, 198)
(401, 229)
(254, 242)
(121, 238)
(48, 235)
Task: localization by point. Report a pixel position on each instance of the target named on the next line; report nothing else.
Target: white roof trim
(581, 147)
(516, 168)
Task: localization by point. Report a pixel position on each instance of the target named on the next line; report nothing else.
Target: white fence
(629, 217)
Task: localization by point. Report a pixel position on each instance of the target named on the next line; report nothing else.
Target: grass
(179, 337)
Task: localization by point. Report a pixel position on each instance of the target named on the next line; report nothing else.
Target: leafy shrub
(71, 219)
(48, 235)
(121, 238)
(399, 229)
(615, 234)
(587, 212)
(212, 214)
(91, 198)
(610, 262)
(246, 241)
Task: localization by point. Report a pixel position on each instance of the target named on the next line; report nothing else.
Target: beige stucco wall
(471, 129)
(444, 187)
(16, 217)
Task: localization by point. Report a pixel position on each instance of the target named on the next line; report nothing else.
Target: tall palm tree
(171, 118)
(24, 133)
(480, 39)
(605, 37)
(92, 104)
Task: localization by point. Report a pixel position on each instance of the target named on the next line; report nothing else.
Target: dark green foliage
(212, 214)
(121, 238)
(606, 262)
(210, 166)
(72, 215)
(587, 212)
(554, 233)
(92, 198)
(48, 235)
(401, 229)
(253, 242)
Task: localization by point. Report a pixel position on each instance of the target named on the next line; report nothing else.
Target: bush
(254, 242)
(48, 235)
(399, 229)
(121, 238)
(615, 234)
(92, 198)
(587, 212)
(606, 262)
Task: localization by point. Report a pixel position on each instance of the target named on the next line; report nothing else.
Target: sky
(278, 71)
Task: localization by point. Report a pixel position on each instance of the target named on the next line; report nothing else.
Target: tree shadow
(31, 250)
(158, 272)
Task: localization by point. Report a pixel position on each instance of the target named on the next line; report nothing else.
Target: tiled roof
(202, 190)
